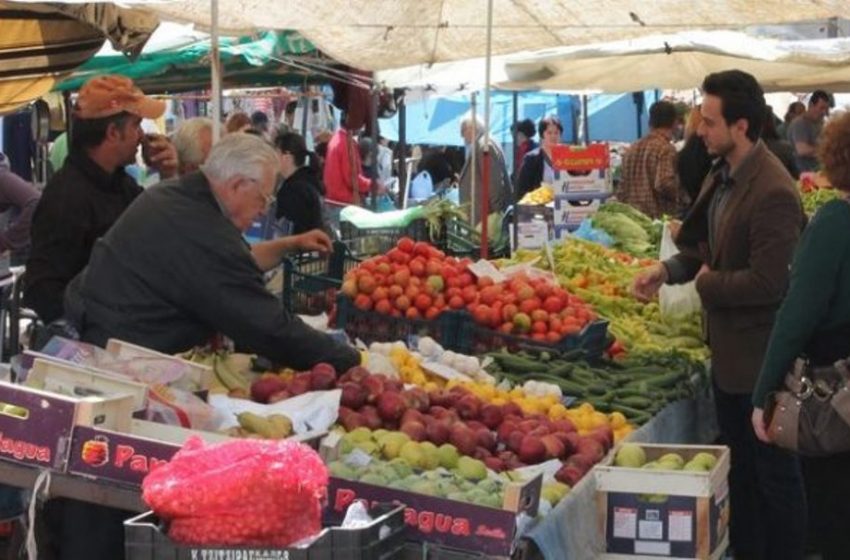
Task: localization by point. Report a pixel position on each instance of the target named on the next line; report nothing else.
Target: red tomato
(482, 315)
(489, 294)
(394, 291)
(422, 249)
(402, 303)
(366, 284)
(402, 277)
(529, 305)
(422, 302)
(470, 294)
(412, 292)
(539, 327)
(432, 313)
(540, 315)
(433, 267)
(506, 328)
(417, 267)
(465, 279)
(485, 281)
(454, 291)
(362, 301)
(508, 312)
(383, 306)
(553, 304)
(380, 293)
(553, 336)
(456, 302)
(412, 313)
(406, 244)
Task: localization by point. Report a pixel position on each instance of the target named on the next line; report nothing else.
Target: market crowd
(168, 267)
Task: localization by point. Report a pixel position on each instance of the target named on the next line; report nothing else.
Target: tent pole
(402, 150)
(485, 167)
(306, 114)
(585, 121)
(373, 151)
(69, 109)
(516, 166)
(215, 66)
(473, 158)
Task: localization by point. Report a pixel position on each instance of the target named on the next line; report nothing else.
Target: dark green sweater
(815, 315)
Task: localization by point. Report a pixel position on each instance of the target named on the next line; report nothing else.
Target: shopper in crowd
(175, 270)
(260, 123)
(436, 162)
(87, 195)
(693, 162)
(345, 182)
(803, 132)
(500, 191)
(782, 149)
(524, 133)
(299, 199)
(795, 109)
(648, 181)
(19, 198)
(193, 142)
(384, 161)
(737, 243)
(536, 167)
(238, 121)
(814, 323)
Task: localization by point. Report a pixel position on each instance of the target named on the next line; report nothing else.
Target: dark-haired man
(91, 190)
(805, 129)
(649, 180)
(737, 242)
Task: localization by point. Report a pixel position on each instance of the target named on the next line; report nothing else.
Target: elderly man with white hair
(193, 142)
(175, 270)
(500, 191)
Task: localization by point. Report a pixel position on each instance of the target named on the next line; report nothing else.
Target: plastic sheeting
(682, 60)
(381, 34)
(42, 43)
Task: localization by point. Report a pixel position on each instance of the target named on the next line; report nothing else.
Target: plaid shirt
(648, 181)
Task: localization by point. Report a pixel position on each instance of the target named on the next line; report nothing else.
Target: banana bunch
(544, 194)
(274, 426)
(228, 378)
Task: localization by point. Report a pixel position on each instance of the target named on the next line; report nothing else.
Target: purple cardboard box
(438, 520)
(35, 427)
(118, 457)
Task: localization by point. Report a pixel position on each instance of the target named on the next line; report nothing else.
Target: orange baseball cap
(104, 96)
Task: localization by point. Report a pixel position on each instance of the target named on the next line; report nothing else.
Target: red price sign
(580, 158)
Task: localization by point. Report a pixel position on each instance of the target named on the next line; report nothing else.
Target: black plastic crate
(371, 326)
(459, 239)
(145, 538)
(376, 241)
(473, 339)
(311, 281)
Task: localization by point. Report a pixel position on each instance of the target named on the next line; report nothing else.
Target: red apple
(390, 405)
(486, 439)
(262, 389)
(468, 407)
(438, 432)
(463, 438)
(531, 450)
(353, 395)
(554, 447)
(412, 414)
(414, 430)
(299, 384)
(494, 464)
(356, 374)
(491, 416)
(322, 377)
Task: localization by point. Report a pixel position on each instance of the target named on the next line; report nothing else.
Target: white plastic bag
(683, 299)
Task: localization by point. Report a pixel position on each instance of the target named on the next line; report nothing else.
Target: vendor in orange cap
(91, 190)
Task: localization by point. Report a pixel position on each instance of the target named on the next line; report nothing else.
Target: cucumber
(518, 364)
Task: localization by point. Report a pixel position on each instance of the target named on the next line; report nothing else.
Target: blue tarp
(614, 117)
(436, 121)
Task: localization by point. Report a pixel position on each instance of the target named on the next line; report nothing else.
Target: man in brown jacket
(737, 242)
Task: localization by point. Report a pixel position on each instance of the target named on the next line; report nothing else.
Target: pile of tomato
(416, 280)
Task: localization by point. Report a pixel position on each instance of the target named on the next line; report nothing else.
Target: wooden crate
(644, 513)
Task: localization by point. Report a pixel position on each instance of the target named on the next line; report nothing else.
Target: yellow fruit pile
(544, 194)
(410, 371)
(586, 419)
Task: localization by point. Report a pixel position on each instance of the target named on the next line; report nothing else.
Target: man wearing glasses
(175, 269)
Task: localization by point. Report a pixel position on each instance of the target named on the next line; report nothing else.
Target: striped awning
(42, 43)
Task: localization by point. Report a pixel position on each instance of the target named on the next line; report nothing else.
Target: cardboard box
(582, 170)
(570, 211)
(199, 374)
(65, 378)
(36, 426)
(445, 522)
(646, 513)
(127, 456)
(431, 519)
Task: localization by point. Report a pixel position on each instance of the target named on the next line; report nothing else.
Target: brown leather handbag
(812, 415)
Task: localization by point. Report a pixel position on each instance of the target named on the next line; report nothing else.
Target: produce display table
(569, 532)
(74, 487)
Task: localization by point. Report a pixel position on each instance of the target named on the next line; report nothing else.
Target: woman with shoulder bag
(802, 397)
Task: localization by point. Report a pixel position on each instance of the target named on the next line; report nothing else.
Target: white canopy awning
(676, 61)
(382, 34)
